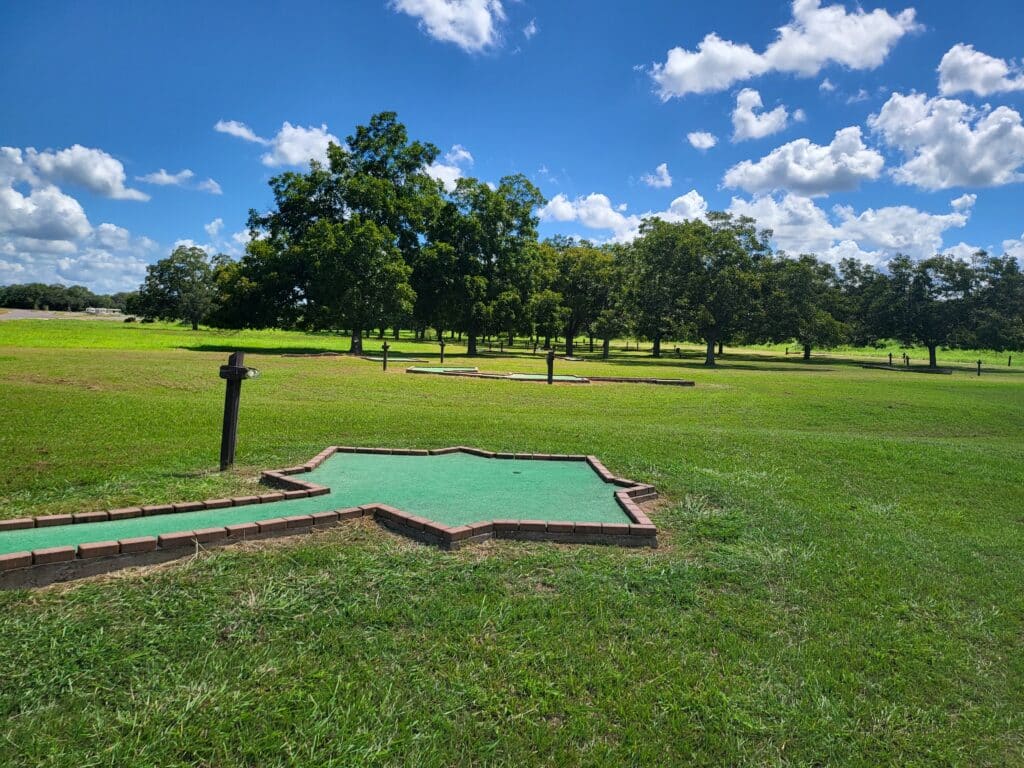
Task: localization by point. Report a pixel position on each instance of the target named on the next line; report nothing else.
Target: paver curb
(639, 532)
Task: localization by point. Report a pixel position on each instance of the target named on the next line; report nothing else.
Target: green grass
(839, 580)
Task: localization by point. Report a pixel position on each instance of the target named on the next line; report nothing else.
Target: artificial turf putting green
(451, 489)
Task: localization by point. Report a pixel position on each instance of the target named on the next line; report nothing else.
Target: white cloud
(239, 130)
(92, 169)
(826, 85)
(747, 123)
(947, 143)
(214, 227)
(242, 237)
(164, 179)
(451, 169)
(961, 251)
(295, 145)
(1015, 248)
(210, 186)
(964, 202)
(187, 242)
(660, 179)
(964, 69)
(45, 235)
(597, 212)
(530, 29)
(873, 235)
(810, 169)
(470, 24)
(702, 139)
(813, 38)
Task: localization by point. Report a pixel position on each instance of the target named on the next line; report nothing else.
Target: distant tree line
(369, 241)
(62, 298)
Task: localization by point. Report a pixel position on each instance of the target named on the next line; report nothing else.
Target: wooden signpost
(234, 373)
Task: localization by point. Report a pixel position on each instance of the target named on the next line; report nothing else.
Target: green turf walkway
(452, 489)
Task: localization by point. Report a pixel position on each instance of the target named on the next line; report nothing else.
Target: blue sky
(849, 129)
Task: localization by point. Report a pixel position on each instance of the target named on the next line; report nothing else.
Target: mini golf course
(448, 497)
(562, 378)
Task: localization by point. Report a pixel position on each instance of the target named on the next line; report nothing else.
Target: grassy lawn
(839, 580)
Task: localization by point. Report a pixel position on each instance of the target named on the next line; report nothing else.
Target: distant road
(39, 314)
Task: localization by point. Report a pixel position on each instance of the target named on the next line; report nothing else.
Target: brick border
(639, 532)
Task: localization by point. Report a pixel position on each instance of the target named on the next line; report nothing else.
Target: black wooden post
(1009, 360)
(386, 347)
(551, 365)
(979, 367)
(441, 342)
(233, 373)
(890, 359)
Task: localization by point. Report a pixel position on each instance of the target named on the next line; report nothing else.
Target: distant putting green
(543, 377)
(439, 369)
(451, 489)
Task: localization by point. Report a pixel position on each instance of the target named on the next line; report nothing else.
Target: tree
(179, 287)
(931, 300)
(335, 252)
(657, 268)
(997, 315)
(801, 300)
(548, 314)
(866, 302)
(584, 279)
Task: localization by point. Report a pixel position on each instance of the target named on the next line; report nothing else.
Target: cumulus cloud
(292, 145)
(239, 130)
(660, 179)
(214, 227)
(815, 37)
(947, 143)
(810, 169)
(92, 169)
(1015, 248)
(295, 145)
(45, 235)
(597, 212)
(702, 139)
(530, 29)
(452, 167)
(164, 179)
(749, 123)
(211, 186)
(964, 69)
(873, 235)
(472, 25)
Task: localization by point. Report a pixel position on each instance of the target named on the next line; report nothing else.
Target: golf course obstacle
(449, 497)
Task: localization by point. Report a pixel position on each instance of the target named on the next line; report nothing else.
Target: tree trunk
(807, 351)
(931, 356)
(511, 339)
(657, 345)
(357, 341)
(709, 358)
(396, 332)
(195, 325)
(570, 340)
(547, 342)
(604, 348)
(720, 348)
(591, 342)
(471, 346)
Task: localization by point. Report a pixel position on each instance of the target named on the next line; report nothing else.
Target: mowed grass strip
(839, 579)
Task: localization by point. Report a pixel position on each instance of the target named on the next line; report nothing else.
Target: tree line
(63, 298)
(370, 241)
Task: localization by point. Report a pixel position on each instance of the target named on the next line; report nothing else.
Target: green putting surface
(439, 369)
(543, 377)
(451, 489)
(394, 359)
